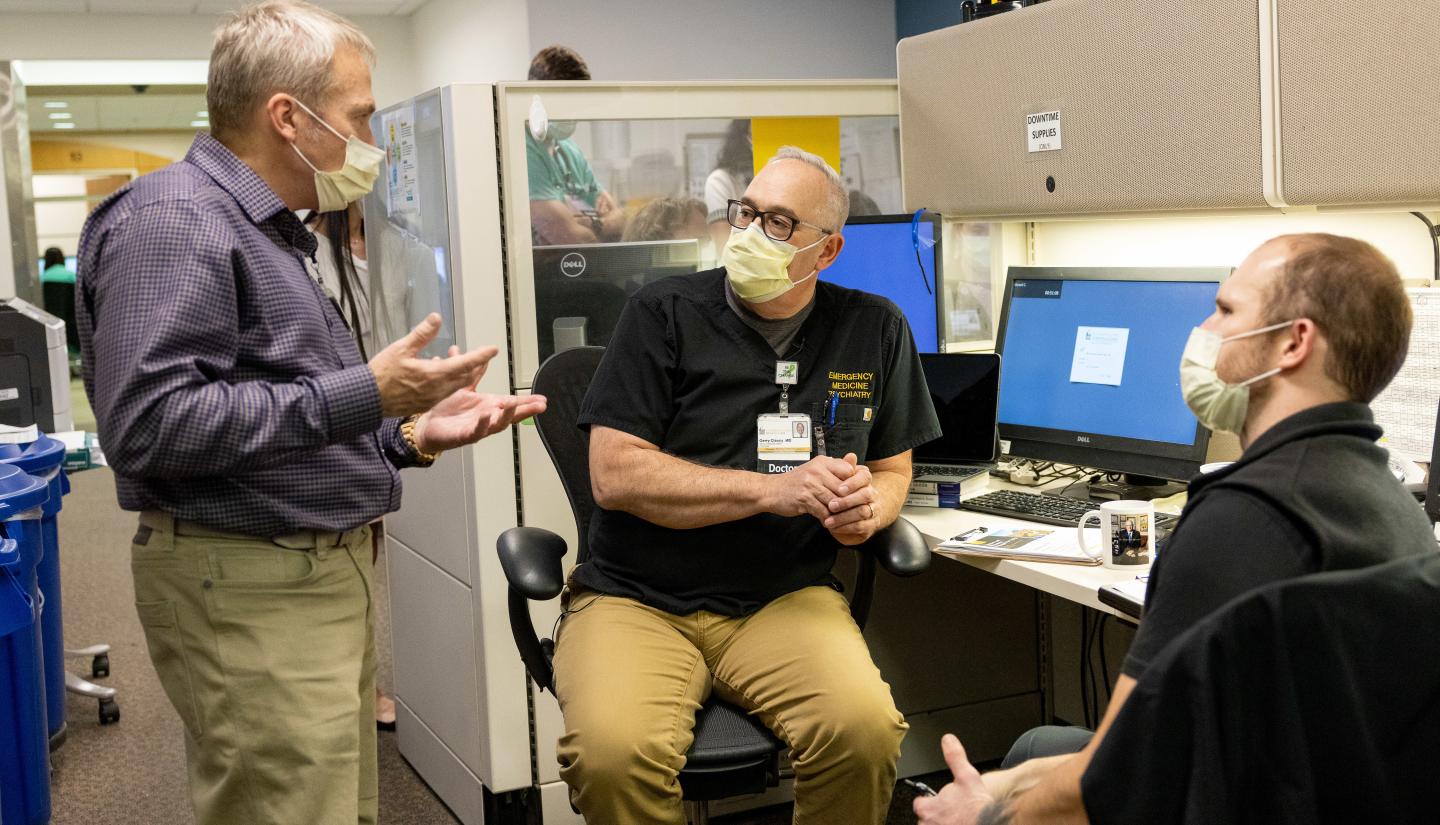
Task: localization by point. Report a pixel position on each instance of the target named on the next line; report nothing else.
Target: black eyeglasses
(776, 225)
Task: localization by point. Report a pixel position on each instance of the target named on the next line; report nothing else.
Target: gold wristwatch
(407, 431)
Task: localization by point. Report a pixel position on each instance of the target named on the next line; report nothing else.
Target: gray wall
(739, 39)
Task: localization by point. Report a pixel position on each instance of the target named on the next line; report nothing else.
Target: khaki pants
(630, 679)
(265, 648)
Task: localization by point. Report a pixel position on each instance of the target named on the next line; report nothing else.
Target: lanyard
(786, 374)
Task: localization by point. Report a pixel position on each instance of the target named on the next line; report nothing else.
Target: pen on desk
(920, 786)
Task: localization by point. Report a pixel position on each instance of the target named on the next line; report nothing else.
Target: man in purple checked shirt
(244, 427)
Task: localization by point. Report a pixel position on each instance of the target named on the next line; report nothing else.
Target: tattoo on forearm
(996, 813)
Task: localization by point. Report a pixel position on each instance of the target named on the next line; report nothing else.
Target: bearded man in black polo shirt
(1305, 334)
(744, 423)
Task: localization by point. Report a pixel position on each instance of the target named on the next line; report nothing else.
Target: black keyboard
(951, 470)
(1045, 508)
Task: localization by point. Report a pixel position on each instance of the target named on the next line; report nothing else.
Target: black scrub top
(683, 372)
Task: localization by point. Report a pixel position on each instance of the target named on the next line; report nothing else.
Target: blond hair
(275, 46)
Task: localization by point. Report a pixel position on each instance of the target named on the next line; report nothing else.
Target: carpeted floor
(133, 772)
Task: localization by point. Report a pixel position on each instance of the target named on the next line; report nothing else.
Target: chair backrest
(563, 379)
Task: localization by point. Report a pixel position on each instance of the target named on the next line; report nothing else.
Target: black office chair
(733, 754)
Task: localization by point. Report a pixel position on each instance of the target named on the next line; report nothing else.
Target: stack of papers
(1022, 543)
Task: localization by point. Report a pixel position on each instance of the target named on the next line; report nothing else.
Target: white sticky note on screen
(1099, 355)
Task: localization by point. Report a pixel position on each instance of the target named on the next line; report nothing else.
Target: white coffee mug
(1127, 533)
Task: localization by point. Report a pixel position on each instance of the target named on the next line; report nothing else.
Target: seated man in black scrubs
(1313, 327)
(744, 423)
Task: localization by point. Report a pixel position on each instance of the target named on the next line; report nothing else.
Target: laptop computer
(965, 389)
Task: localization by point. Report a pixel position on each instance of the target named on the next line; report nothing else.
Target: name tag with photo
(782, 442)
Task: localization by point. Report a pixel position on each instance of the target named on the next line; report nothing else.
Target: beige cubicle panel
(1158, 110)
(1352, 101)
(1071, 109)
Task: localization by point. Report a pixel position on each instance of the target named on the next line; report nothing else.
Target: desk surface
(1077, 583)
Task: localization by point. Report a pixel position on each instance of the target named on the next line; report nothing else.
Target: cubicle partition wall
(443, 240)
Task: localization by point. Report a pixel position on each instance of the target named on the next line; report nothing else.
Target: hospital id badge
(782, 442)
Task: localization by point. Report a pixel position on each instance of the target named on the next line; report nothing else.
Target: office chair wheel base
(109, 712)
(100, 666)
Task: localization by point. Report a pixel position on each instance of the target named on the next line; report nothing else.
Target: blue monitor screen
(880, 258)
(1101, 356)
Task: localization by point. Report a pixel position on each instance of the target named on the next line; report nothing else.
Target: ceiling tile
(141, 6)
(119, 113)
(362, 7)
(42, 5)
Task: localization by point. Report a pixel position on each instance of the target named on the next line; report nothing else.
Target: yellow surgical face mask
(1217, 404)
(757, 267)
(351, 182)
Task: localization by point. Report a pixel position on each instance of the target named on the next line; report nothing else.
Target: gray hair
(275, 46)
(838, 202)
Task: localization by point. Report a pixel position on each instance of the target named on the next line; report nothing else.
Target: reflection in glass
(618, 204)
(969, 286)
(408, 225)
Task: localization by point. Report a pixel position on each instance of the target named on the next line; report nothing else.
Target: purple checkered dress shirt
(227, 387)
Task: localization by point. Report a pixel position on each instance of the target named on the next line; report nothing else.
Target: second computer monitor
(881, 256)
(1091, 372)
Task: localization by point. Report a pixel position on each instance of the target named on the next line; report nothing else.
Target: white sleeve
(719, 190)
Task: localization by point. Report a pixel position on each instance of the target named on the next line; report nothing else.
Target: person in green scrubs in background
(55, 270)
(57, 285)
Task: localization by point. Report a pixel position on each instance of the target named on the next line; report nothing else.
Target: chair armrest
(900, 549)
(532, 559)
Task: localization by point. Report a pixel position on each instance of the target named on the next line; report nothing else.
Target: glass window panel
(971, 254)
(407, 225)
(616, 204)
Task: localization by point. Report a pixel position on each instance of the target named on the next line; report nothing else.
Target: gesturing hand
(961, 801)
(468, 416)
(409, 384)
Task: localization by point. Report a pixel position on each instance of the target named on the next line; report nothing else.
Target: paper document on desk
(1021, 543)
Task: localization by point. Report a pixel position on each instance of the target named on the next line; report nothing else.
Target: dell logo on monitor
(572, 265)
(1083, 439)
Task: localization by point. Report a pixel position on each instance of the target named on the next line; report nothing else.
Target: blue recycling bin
(24, 734)
(44, 459)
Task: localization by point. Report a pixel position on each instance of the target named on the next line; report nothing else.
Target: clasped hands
(837, 491)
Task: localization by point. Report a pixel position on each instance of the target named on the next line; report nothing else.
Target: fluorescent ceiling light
(203, 124)
(60, 115)
(56, 104)
(202, 113)
(63, 125)
(113, 72)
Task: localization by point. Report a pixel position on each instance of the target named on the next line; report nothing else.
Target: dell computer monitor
(880, 257)
(581, 289)
(1091, 370)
